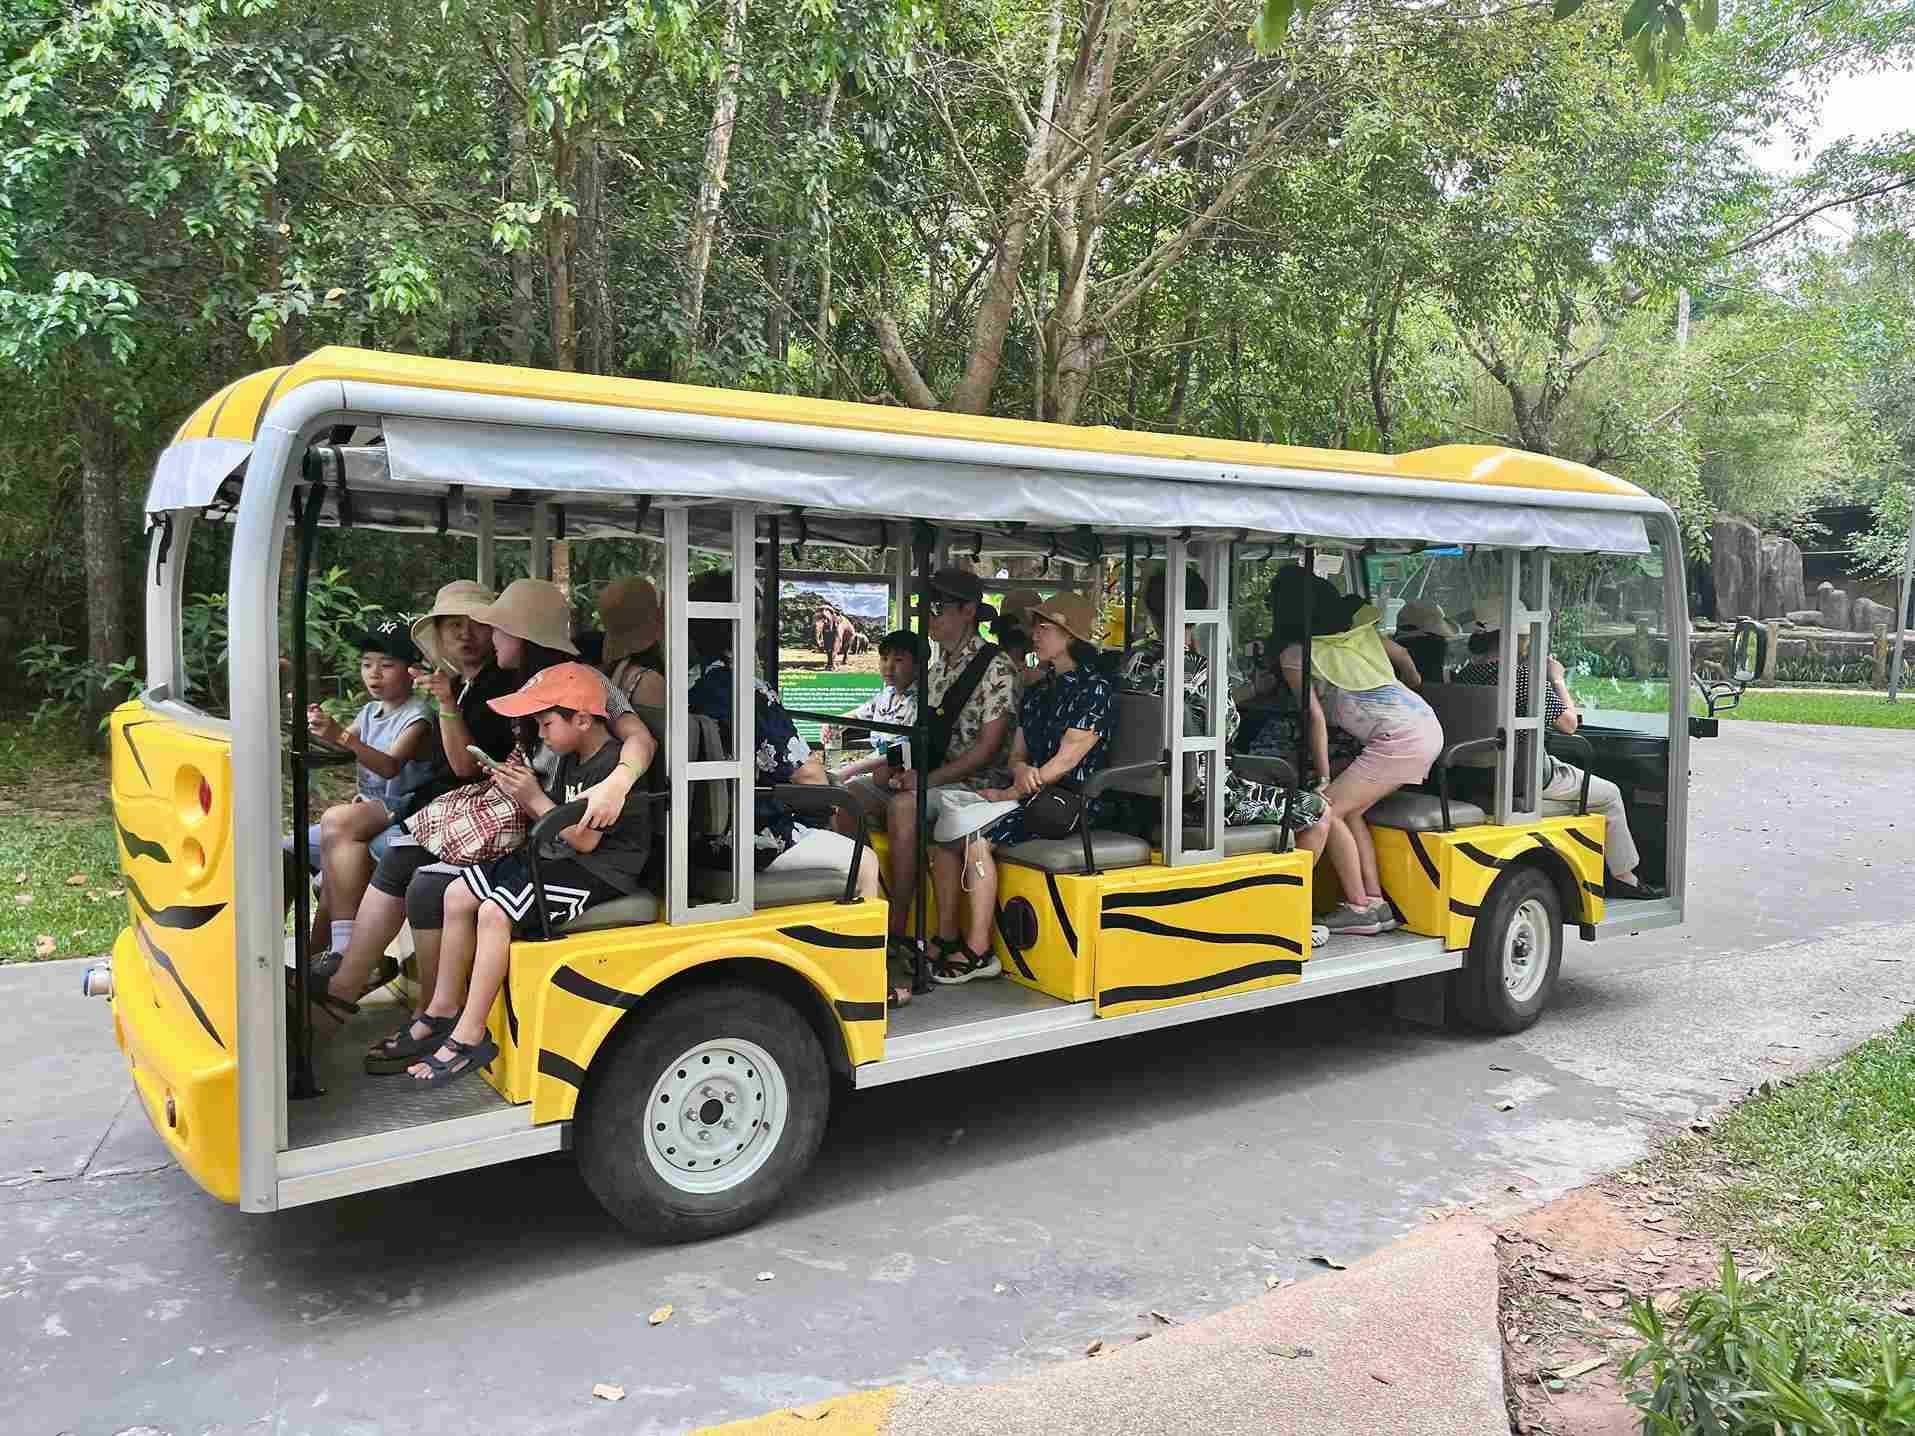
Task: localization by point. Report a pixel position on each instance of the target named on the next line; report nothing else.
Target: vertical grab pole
(1130, 590)
(678, 659)
(1304, 690)
(302, 1082)
(921, 541)
(774, 568)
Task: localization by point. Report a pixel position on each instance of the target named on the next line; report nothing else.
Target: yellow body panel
(564, 997)
(1170, 935)
(1439, 880)
(174, 1007)
(236, 411)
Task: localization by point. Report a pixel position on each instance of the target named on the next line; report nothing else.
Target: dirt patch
(83, 796)
(1569, 1270)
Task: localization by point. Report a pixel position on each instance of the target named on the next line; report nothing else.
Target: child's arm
(580, 838)
(860, 768)
(391, 763)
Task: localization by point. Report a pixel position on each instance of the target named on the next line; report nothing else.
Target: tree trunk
(101, 491)
(518, 328)
(826, 368)
(777, 316)
(711, 185)
(1186, 350)
(561, 230)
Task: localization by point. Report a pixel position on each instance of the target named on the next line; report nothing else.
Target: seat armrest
(1449, 756)
(801, 797)
(1259, 768)
(1159, 767)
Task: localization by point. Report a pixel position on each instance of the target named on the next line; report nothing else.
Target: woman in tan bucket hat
(633, 616)
(530, 625)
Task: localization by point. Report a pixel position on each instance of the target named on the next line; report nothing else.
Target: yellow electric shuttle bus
(633, 1032)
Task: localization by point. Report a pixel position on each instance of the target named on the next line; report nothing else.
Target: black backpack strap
(944, 716)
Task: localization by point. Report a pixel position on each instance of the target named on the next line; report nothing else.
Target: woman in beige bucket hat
(634, 620)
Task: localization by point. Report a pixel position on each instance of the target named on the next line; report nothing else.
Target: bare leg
(868, 888)
(457, 941)
(981, 900)
(376, 924)
(345, 860)
(492, 957)
(946, 873)
(1351, 797)
(902, 860)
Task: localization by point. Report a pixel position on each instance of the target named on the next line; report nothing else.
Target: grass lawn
(58, 869)
(1825, 1177)
(1843, 710)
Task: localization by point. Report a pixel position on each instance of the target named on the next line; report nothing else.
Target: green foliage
(71, 683)
(1741, 1365)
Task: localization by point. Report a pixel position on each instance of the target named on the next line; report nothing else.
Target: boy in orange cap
(581, 866)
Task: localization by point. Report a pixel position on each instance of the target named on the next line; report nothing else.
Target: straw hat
(462, 598)
(1073, 613)
(1017, 605)
(532, 610)
(1422, 616)
(633, 616)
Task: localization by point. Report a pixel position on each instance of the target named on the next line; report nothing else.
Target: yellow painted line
(856, 1413)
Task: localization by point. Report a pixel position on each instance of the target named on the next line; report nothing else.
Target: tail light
(205, 798)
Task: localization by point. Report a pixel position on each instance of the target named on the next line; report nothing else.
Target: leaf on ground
(1166, 1320)
(44, 946)
(1383, 1379)
(23, 898)
(76, 880)
(1580, 1368)
(1285, 1350)
(1329, 1263)
(1505, 1106)
(660, 1317)
(19, 879)
(1903, 1305)
(1093, 1348)
(1274, 1282)
(1699, 1125)
(606, 1391)
(817, 1411)
(1498, 1067)
(765, 1275)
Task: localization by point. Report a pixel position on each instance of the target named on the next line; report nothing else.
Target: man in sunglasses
(974, 693)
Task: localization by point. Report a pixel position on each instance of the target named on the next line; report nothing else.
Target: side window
(1610, 631)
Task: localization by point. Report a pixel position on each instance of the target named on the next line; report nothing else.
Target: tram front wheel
(699, 1119)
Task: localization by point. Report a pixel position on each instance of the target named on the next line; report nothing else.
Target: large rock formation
(1865, 613)
(1834, 603)
(1735, 554)
(1781, 588)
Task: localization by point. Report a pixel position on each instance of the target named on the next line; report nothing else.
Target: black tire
(621, 1112)
(1526, 899)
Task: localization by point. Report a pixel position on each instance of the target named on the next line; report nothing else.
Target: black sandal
(391, 1055)
(465, 1058)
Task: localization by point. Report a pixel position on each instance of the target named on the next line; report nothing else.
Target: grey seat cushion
(632, 911)
(772, 889)
(1066, 855)
(1420, 813)
(1238, 842)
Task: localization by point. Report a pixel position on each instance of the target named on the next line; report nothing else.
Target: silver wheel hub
(1526, 951)
(715, 1115)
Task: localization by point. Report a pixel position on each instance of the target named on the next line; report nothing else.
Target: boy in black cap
(390, 739)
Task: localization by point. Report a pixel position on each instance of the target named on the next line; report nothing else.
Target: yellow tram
(1098, 939)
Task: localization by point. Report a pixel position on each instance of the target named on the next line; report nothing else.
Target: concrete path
(967, 1229)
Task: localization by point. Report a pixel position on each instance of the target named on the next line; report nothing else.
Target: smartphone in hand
(484, 759)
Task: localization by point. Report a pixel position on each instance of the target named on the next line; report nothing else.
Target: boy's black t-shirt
(623, 848)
